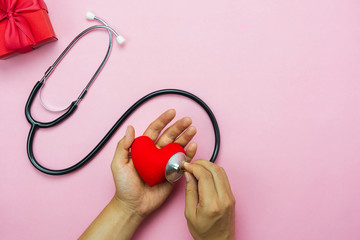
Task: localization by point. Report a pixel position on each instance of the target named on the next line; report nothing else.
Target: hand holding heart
(209, 201)
(132, 193)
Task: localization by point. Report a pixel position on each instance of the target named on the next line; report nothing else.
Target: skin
(134, 200)
(210, 203)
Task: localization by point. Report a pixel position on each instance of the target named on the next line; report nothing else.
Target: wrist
(116, 221)
(123, 209)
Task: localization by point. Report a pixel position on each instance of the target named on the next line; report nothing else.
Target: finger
(165, 188)
(159, 124)
(191, 196)
(173, 132)
(121, 155)
(191, 151)
(186, 137)
(226, 180)
(206, 185)
(220, 178)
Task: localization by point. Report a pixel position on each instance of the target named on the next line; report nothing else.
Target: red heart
(149, 161)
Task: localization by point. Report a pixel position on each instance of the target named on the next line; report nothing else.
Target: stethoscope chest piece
(175, 167)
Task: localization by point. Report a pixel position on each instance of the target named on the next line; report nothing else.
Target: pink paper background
(281, 76)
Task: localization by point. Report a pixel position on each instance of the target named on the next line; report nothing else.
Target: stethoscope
(69, 110)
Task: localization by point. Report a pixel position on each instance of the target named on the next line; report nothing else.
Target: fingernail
(187, 176)
(127, 133)
(186, 164)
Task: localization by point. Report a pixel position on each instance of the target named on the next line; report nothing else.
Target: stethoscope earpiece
(91, 16)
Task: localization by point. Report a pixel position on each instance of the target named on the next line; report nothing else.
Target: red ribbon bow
(18, 31)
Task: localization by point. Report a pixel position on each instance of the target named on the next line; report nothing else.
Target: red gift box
(24, 26)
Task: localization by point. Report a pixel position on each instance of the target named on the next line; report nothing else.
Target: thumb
(191, 196)
(121, 155)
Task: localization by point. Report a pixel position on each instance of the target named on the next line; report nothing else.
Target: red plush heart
(149, 161)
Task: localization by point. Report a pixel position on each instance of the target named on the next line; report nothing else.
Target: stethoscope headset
(69, 110)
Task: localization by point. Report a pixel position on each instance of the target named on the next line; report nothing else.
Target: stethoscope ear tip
(90, 15)
(120, 39)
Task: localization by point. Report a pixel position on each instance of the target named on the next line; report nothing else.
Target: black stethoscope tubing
(35, 125)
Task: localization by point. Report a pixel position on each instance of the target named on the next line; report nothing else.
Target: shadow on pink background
(282, 78)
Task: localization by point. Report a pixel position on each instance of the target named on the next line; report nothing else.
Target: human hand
(210, 204)
(132, 193)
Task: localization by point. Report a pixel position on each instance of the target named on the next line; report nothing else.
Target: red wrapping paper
(31, 26)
